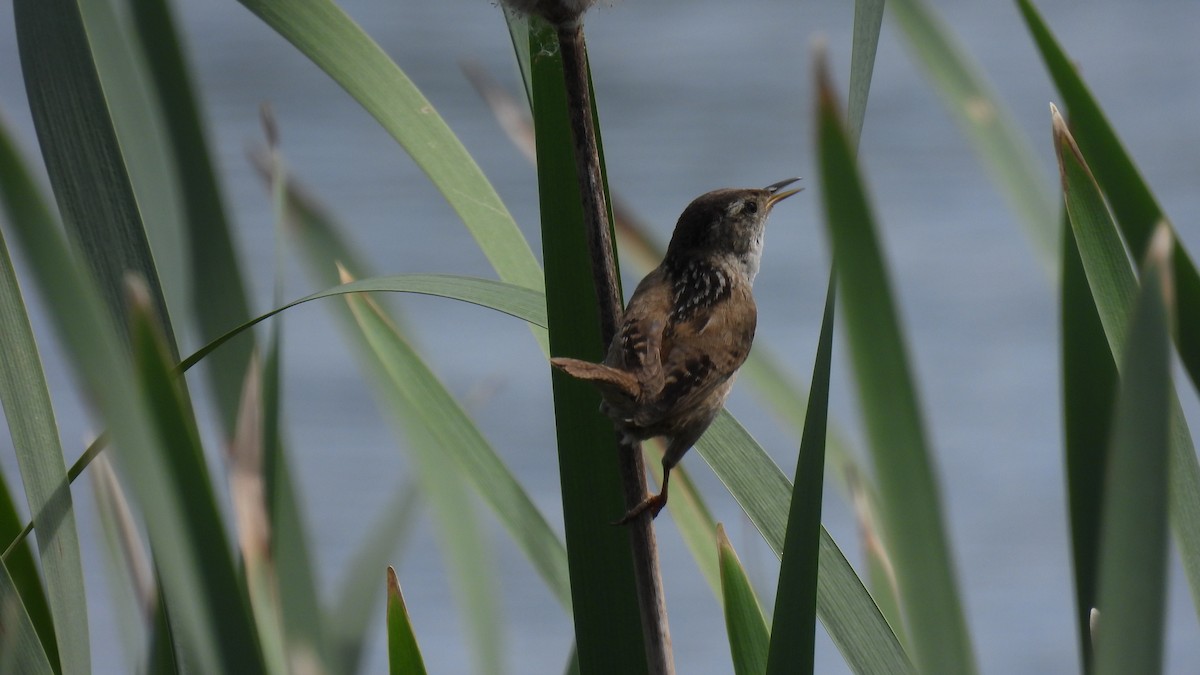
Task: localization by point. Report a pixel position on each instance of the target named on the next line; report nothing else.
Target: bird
(687, 328)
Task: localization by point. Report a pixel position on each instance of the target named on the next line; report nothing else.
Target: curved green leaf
(99, 137)
(913, 523)
(327, 36)
(31, 423)
(516, 301)
(1136, 210)
(793, 628)
(1114, 288)
(438, 445)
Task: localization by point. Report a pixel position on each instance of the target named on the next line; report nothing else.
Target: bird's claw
(653, 503)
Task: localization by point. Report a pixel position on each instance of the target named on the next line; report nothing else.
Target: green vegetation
(133, 250)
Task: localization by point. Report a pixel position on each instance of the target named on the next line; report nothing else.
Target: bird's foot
(653, 504)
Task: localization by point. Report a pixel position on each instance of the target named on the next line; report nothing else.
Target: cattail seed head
(557, 12)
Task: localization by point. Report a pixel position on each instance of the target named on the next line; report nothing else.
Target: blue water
(692, 95)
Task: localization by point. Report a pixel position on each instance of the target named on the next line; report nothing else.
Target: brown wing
(699, 355)
(637, 346)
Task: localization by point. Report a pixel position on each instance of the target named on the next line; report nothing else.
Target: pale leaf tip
(393, 583)
(1058, 123)
(1158, 259)
(343, 274)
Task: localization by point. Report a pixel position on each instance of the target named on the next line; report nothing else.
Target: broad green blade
(744, 621)
(1089, 389)
(218, 292)
(1113, 285)
(202, 535)
(418, 401)
(846, 609)
(1004, 151)
(404, 655)
(21, 652)
(327, 36)
(99, 136)
(794, 624)
(31, 423)
(24, 574)
(1133, 549)
(353, 608)
(608, 625)
(909, 495)
(1136, 210)
(176, 500)
(516, 301)
(868, 16)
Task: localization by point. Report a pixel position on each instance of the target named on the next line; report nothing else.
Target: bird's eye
(750, 207)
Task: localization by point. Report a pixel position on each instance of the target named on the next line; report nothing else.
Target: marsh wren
(687, 329)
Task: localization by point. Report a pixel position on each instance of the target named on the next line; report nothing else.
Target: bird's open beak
(777, 192)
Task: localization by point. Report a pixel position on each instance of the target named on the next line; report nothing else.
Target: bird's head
(728, 223)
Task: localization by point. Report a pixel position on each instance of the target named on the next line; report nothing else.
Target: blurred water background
(693, 95)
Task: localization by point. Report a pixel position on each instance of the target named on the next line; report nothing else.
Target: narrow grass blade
(218, 291)
(868, 17)
(1004, 151)
(21, 652)
(247, 494)
(31, 423)
(327, 36)
(161, 658)
(744, 620)
(691, 516)
(1089, 389)
(358, 593)
(24, 575)
(608, 625)
(1136, 210)
(1113, 286)
(131, 583)
(794, 624)
(291, 554)
(109, 177)
(913, 523)
(417, 401)
(404, 655)
(1133, 549)
(516, 301)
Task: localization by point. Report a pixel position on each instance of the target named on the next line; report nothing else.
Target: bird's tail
(610, 381)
